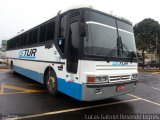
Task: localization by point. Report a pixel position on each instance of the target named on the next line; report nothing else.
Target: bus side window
(35, 36)
(13, 42)
(18, 41)
(30, 37)
(62, 33)
(43, 32)
(24, 39)
(50, 31)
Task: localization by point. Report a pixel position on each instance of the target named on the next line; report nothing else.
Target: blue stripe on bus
(28, 57)
(69, 88)
(29, 73)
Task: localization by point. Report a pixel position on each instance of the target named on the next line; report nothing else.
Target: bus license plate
(120, 88)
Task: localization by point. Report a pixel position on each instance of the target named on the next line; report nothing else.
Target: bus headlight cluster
(134, 76)
(105, 79)
(99, 79)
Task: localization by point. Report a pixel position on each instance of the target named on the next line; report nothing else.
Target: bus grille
(119, 78)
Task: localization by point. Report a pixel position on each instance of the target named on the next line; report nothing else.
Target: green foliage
(146, 32)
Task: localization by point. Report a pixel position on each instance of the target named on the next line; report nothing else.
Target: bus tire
(51, 83)
(11, 68)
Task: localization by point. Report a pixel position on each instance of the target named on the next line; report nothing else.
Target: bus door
(73, 48)
(70, 28)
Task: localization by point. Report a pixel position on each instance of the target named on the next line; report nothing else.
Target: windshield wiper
(113, 50)
(130, 53)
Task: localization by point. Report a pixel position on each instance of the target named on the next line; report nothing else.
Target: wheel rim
(51, 83)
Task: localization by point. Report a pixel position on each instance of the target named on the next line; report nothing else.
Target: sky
(16, 15)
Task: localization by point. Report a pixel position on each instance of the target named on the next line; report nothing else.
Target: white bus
(83, 53)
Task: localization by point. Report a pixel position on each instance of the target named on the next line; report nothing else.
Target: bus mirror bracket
(48, 45)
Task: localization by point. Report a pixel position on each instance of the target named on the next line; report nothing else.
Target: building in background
(3, 49)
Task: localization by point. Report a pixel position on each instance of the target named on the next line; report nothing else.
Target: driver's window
(74, 38)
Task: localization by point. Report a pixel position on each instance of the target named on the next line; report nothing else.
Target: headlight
(105, 79)
(134, 76)
(99, 79)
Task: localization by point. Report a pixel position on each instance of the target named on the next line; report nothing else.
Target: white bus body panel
(115, 72)
(73, 85)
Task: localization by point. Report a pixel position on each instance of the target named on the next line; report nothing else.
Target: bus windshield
(103, 33)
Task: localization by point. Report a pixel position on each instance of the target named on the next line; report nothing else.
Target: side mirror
(48, 45)
(82, 29)
(57, 25)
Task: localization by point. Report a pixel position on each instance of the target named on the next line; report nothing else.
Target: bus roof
(68, 9)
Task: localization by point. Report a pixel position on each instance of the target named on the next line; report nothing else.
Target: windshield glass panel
(127, 38)
(108, 37)
(101, 34)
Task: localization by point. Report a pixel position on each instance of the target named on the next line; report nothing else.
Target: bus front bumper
(92, 92)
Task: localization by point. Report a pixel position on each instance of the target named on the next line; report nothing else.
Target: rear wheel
(51, 82)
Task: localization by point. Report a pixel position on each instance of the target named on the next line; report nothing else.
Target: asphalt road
(22, 98)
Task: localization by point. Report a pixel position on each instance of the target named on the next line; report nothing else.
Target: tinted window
(9, 44)
(17, 41)
(74, 38)
(125, 26)
(23, 39)
(50, 31)
(30, 37)
(72, 61)
(101, 35)
(13, 42)
(43, 33)
(34, 36)
(100, 18)
(127, 36)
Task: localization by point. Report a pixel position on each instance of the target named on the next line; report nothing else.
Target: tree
(145, 33)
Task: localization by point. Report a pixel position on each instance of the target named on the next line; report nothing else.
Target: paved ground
(23, 98)
(3, 67)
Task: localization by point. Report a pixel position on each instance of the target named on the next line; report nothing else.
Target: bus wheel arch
(50, 80)
(45, 73)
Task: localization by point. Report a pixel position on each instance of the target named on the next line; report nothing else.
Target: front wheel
(51, 83)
